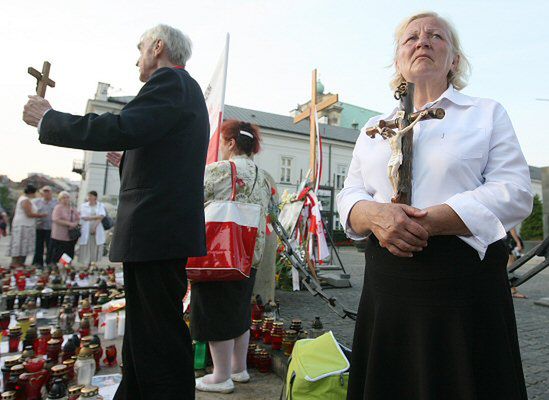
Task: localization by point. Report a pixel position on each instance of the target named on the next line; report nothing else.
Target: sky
(274, 47)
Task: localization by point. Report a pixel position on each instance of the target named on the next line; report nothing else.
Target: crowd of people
(41, 227)
(435, 316)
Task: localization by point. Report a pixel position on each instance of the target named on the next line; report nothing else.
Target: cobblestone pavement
(532, 320)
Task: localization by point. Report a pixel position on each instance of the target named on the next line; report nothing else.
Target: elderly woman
(221, 311)
(23, 227)
(64, 217)
(436, 318)
(93, 235)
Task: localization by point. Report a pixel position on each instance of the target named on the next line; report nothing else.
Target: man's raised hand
(35, 109)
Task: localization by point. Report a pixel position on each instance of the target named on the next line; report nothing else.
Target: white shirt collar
(454, 96)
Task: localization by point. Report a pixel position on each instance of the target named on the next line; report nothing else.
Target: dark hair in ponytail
(245, 144)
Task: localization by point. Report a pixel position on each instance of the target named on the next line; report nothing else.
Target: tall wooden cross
(401, 141)
(42, 79)
(310, 114)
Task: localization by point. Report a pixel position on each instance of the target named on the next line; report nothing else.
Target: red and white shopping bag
(231, 233)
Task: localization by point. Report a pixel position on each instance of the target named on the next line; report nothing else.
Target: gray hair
(458, 77)
(178, 45)
(63, 194)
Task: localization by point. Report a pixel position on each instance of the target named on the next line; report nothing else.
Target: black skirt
(221, 310)
(440, 325)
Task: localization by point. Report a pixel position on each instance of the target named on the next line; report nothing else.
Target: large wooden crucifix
(399, 168)
(310, 114)
(42, 79)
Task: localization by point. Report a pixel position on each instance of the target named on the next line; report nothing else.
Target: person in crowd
(436, 318)
(45, 205)
(221, 311)
(93, 235)
(4, 219)
(164, 133)
(515, 246)
(23, 234)
(64, 218)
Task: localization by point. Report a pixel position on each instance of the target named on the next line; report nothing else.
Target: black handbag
(107, 221)
(76, 232)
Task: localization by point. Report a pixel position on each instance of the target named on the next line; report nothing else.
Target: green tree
(532, 227)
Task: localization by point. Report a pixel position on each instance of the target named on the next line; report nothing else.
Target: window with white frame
(286, 169)
(341, 174)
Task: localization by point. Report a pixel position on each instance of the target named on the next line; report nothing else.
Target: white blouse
(470, 160)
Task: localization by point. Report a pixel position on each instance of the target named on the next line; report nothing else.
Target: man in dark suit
(164, 132)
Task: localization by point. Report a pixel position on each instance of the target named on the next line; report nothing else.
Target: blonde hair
(63, 194)
(458, 77)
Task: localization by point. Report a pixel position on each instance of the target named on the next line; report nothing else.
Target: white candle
(110, 327)
(121, 323)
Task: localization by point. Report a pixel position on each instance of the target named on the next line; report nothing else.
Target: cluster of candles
(58, 364)
(66, 372)
(268, 329)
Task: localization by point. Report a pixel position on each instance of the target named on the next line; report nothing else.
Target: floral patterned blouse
(217, 186)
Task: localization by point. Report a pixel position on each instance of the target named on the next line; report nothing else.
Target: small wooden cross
(401, 141)
(310, 114)
(42, 79)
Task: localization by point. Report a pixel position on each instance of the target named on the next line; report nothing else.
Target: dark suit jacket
(164, 131)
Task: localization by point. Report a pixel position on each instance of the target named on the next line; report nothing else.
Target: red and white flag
(215, 101)
(65, 260)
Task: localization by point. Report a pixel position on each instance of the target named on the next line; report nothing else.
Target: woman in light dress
(23, 227)
(93, 235)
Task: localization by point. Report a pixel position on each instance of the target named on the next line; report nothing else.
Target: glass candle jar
(31, 339)
(97, 353)
(66, 320)
(70, 369)
(264, 362)
(267, 327)
(8, 364)
(74, 392)
(10, 395)
(296, 325)
(58, 391)
(84, 329)
(14, 339)
(250, 356)
(54, 348)
(276, 335)
(14, 381)
(33, 382)
(5, 318)
(110, 356)
(90, 393)
(10, 301)
(69, 350)
(58, 371)
(45, 336)
(256, 329)
(84, 367)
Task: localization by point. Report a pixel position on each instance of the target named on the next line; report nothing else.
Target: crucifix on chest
(42, 79)
(399, 132)
(314, 108)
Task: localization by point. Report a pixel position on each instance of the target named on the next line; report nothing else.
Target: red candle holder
(14, 339)
(54, 348)
(110, 356)
(250, 356)
(264, 362)
(32, 384)
(34, 364)
(256, 330)
(45, 336)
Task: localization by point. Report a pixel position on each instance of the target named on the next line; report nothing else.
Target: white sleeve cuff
(485, 227)
(345, 205)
